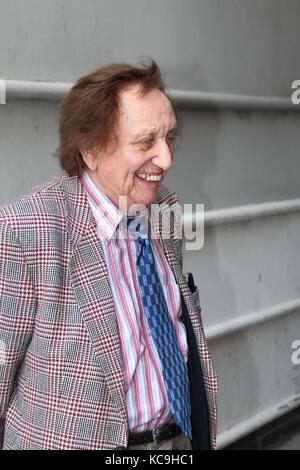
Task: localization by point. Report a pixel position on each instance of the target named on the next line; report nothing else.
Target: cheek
(135, 162)
(129, 180)
(133, 168)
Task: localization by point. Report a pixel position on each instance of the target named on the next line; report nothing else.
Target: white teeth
(149, 177)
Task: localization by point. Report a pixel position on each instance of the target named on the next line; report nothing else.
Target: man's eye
(171, 139)
(146, 142)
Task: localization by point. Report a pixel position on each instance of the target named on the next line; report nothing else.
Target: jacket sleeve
(17, 311)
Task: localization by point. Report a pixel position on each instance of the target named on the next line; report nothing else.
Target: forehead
(153, 110)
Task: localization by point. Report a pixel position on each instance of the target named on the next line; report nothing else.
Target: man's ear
(90, 159)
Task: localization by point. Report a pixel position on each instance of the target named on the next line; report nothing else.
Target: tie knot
(129, 220)
(136, 226)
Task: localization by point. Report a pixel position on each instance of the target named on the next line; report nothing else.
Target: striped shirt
(146, 396)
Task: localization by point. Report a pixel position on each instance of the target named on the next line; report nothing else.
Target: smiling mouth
(149, 177)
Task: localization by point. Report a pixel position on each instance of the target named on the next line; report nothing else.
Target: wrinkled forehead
(153, 110)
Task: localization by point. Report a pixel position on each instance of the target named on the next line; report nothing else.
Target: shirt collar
(106, 214)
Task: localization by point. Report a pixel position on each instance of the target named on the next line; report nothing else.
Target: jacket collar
(79, 217)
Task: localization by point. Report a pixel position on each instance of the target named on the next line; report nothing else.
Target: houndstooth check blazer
(61, 374)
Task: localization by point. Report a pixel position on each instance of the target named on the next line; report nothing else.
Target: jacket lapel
(92, 289)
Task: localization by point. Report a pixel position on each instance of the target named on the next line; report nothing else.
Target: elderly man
(101, 334)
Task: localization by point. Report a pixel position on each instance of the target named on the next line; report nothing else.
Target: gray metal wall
(249, 270)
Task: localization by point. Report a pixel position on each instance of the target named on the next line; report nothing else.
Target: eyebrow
(152, 132)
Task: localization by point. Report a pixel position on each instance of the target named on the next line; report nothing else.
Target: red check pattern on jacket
(61, 380)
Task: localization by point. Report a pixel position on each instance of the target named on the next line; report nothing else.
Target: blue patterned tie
(174, 368)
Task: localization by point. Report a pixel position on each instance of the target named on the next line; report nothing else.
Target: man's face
(137, 164)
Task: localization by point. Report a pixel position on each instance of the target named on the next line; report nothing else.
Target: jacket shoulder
(43, 201)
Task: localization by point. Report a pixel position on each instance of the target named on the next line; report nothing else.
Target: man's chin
(143, 201)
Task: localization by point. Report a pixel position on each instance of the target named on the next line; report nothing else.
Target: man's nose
(164, 156)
